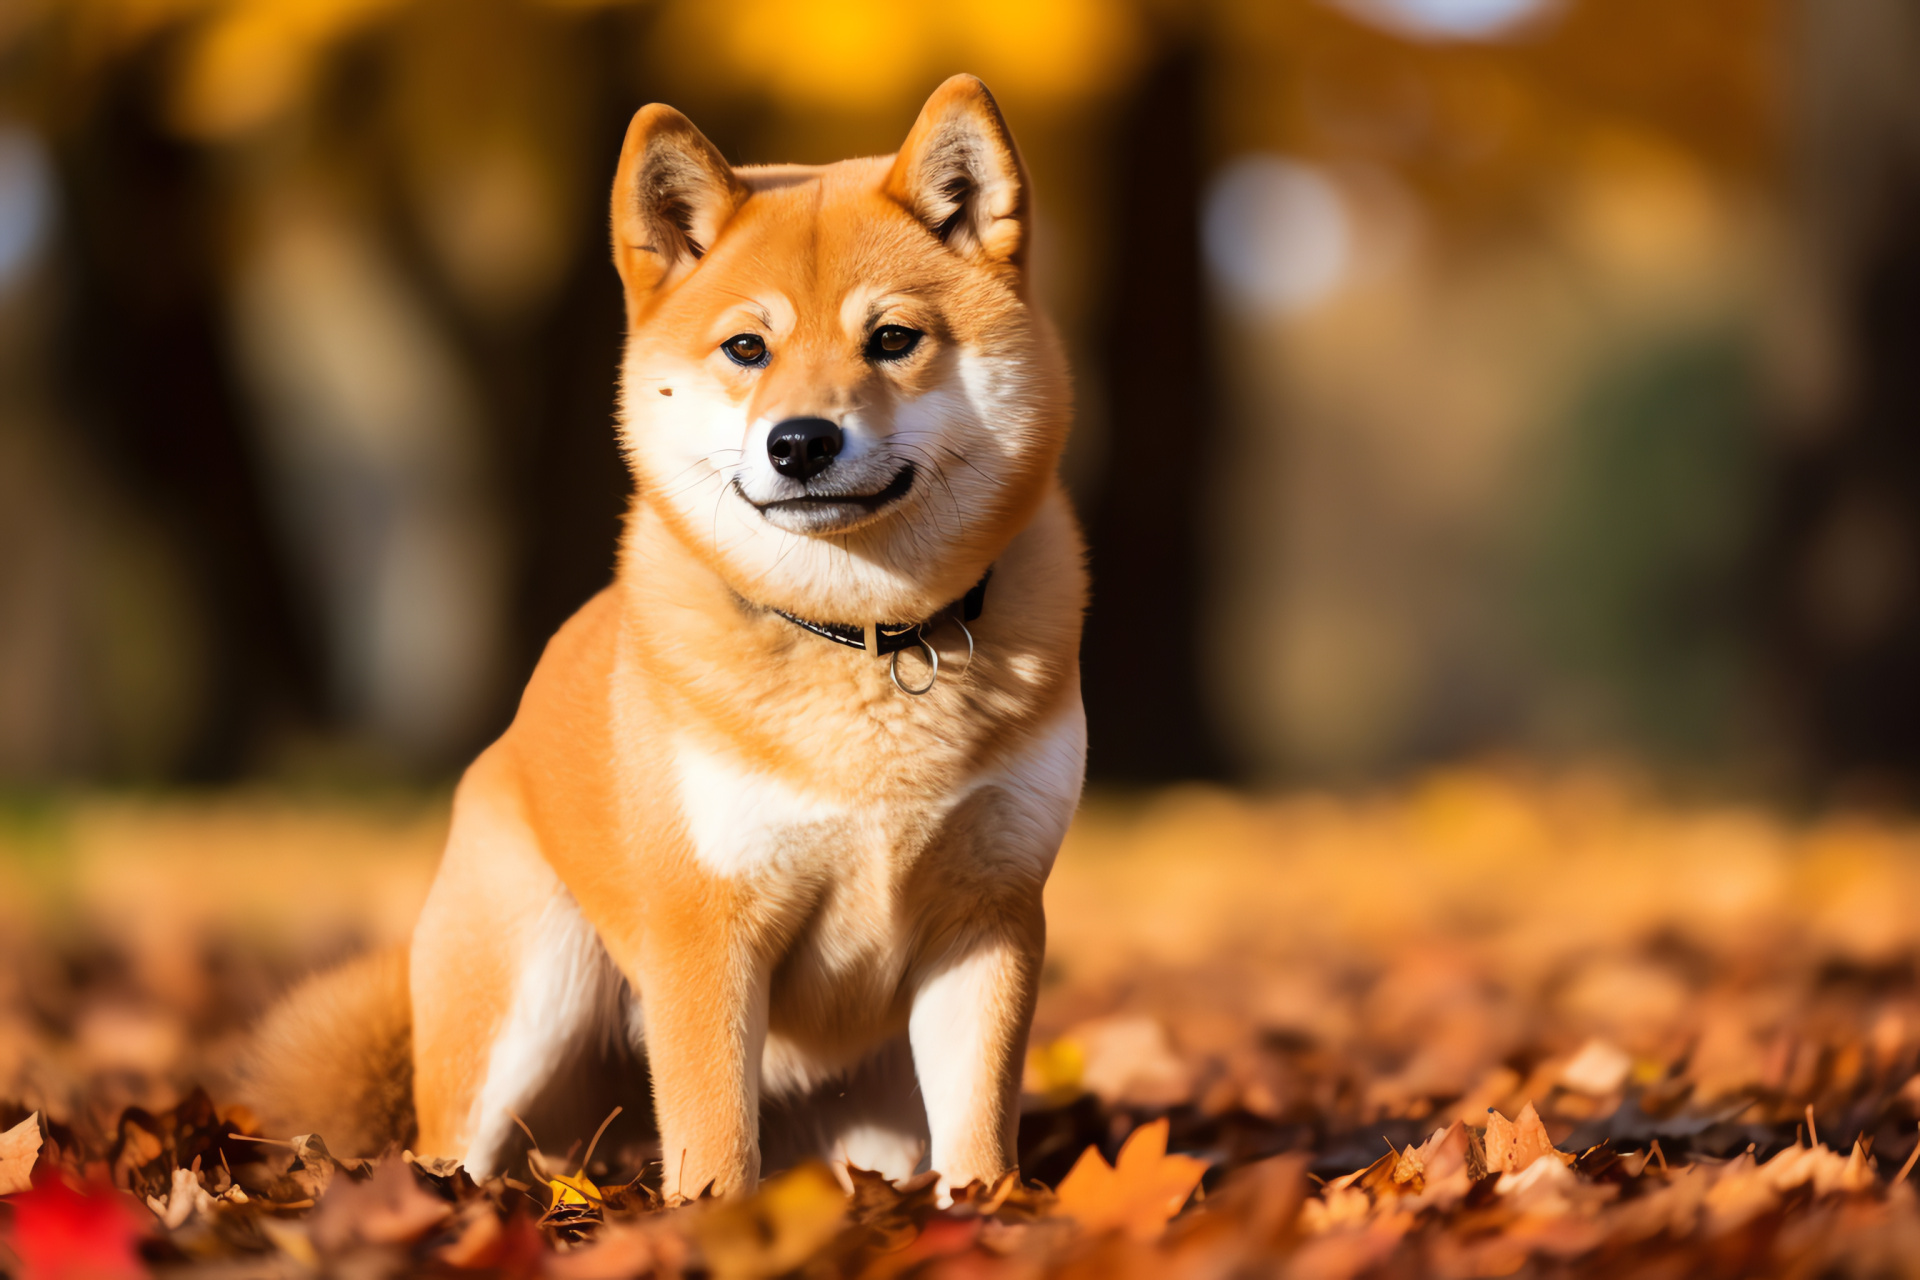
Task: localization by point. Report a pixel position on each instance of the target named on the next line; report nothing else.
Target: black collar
(883, 638)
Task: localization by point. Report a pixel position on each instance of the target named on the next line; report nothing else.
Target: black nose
(803, 447)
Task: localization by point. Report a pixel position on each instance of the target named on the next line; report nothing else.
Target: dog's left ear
(960, 173)
(673, 195)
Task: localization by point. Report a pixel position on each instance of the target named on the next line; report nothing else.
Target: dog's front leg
(704, 1005)
(969, 1034)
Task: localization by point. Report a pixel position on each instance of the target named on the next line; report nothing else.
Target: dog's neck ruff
(883, 638)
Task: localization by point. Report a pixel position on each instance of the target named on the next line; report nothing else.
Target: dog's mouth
(829, 512)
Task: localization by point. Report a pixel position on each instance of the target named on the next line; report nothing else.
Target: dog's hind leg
(870, 1118)
(881, 1123)
(512, 989)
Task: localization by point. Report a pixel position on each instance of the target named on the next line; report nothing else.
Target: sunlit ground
(1303, 974)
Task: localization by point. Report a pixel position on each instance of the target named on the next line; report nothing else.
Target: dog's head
(836, 391)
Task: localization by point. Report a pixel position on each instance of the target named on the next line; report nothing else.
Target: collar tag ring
(933, 665)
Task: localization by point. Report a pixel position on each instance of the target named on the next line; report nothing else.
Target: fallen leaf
(1140, 1191)
(60, 1233)
(1740, 1194)
(575, 1188)
(1338, 1254)
(1537, 1173)
(1512, 1145)
(615, 1254)
(476, 1238)
(775, 1229)
(184, 1197)
(1396, 1173)
(19, 1148)
(1262, 1200)
(1598, 1069)
(1354, 1035)
(1055, 1069)
(314, 1166)
(1335, 1208)
(942, 1237)
(1444, 1154)
(137, 1154)
(1128, 1061)
(292, 1239)
(388, 1208)
(485, 1243)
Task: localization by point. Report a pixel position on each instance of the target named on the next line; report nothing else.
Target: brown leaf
(1445, 1153)
(618, 1252)
(1499, 1142)
(476, 1238)
(484, 1242)
(19, 1148)
(1008, 1199)
(1512, 1145)
(138, 1155)
(314, 1166)
(1262, 1200)
(388, 1208)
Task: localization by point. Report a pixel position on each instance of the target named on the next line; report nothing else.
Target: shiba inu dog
(777, 807)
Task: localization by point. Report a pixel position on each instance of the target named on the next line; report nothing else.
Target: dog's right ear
(672, 195)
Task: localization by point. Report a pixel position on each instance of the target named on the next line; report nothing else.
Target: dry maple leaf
(1512, 1145)
(19, 1148)
(1140, 1191)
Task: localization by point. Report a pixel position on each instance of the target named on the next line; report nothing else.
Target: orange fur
(709, 835)
(335, 1058)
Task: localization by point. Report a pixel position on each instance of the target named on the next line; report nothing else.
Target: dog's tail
(335, 1057)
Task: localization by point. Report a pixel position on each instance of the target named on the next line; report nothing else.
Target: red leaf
(63, 1234)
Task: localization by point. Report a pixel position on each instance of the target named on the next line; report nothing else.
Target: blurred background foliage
(1456, 376)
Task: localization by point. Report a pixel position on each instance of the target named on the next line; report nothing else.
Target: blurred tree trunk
(1844, 575)
(1146, 718)
(146, 354)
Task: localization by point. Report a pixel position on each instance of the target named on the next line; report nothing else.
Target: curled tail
(335, 1057)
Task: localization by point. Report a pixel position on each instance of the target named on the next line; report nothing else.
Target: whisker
(940, 475)
(697, 462)
(718, 498)
(691, 486)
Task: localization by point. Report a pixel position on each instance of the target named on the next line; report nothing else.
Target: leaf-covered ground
(1478, 1026)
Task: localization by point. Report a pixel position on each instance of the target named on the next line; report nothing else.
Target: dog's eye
(892, 342)
(749, 349)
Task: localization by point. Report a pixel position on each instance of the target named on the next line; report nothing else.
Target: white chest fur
(745, 822)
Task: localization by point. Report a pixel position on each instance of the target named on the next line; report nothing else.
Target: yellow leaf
(773, 1231)
(1139, 1192)
(577, 1189)
(1056, 1069)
